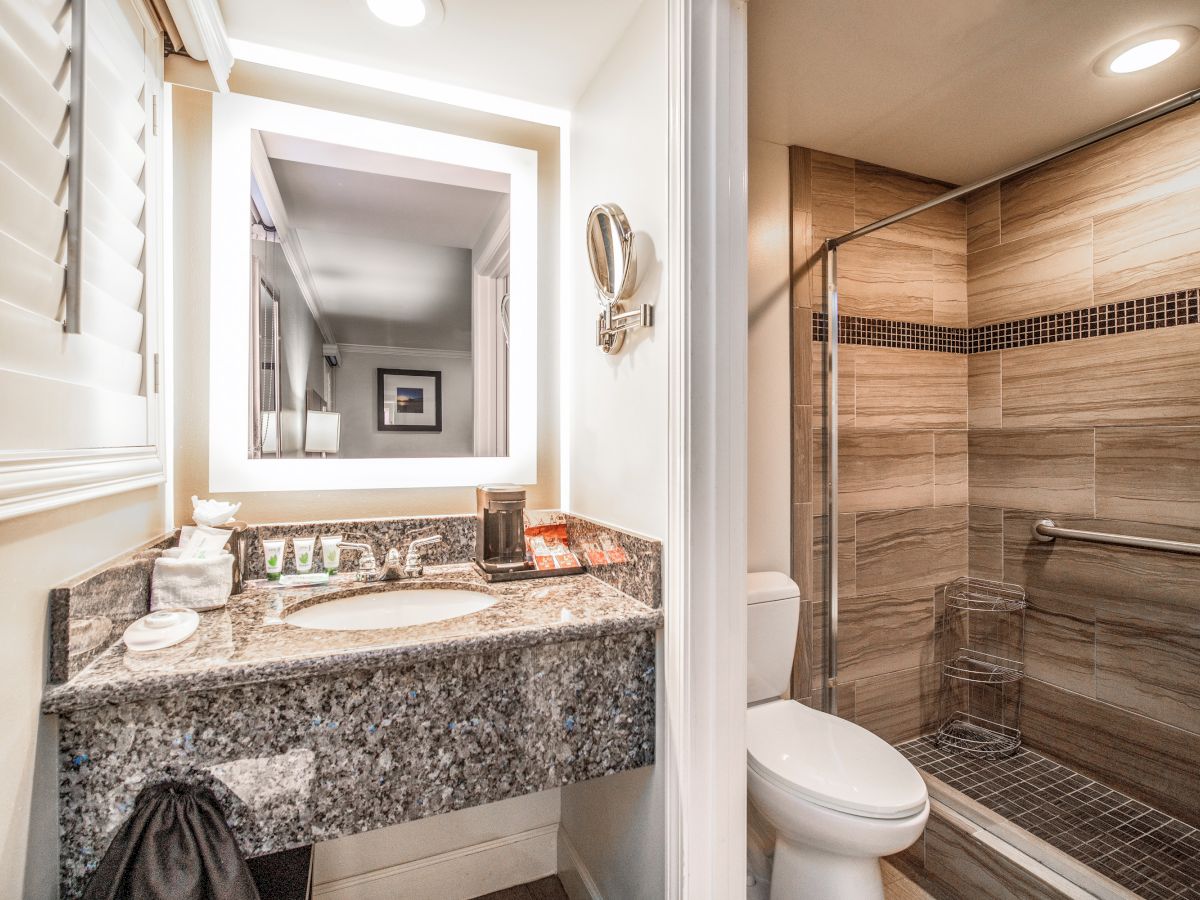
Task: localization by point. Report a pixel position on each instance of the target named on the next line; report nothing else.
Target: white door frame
(705, 609)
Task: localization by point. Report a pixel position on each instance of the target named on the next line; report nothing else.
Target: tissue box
(197, 584)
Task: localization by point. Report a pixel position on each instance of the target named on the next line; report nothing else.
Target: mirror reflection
(378, 304)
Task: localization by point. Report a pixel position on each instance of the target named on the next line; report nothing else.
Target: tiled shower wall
(903, 434)
(1102, 433)
(1061, 378)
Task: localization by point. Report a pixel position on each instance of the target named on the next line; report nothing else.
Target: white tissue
(213, 512)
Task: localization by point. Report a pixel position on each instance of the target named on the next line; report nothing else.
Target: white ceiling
(540, 51)
(390, 257)
(951, 89)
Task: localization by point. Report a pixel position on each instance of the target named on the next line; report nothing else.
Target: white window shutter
(87, 396)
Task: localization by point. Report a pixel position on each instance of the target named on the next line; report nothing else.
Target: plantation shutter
(61, 391)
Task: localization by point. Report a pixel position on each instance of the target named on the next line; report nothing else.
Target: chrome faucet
(366, 558)
(412, 560)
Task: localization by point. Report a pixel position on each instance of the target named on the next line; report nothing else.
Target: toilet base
(806, 873)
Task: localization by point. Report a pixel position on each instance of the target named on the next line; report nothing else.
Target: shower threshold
(1101, 840)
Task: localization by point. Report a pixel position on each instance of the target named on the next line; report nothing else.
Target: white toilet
(837, 796)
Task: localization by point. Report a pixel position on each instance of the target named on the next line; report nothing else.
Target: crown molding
(404, 351)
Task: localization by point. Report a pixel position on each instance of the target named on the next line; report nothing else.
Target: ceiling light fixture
(1145, 50)
(407, 13)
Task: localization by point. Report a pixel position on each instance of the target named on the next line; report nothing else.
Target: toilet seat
(831, 762)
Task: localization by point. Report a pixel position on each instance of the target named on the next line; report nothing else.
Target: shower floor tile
(1135, 845)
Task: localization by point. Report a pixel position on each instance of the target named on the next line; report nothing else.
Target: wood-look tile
(805, 262)
(1033, 469)
(983, 218)
(985, 542)
(984, 389)
(899, 705)
(1149, 474)
(886, 632)
(879, 192)
(909, 389)
(883, 279)
(1148, 657)
(965, 866)
(802, 438)
(910, 548)
(1146, 377)
(1148, 248)
(846, 386)
(832, 192)
(1045, 273)
(950, 289)
(802, 662)
(846, 548)
(1157, 159)
(1152, 761)
(803, 545)
(950, 468)
(815, 264)
(885, 470)
(802, 357)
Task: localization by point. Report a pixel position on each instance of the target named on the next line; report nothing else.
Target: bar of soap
(162, 628)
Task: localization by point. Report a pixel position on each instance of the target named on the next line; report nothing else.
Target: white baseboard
(575, 878)
(458, 874)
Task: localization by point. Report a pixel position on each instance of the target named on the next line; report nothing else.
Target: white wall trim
(574, 875)
(465, 872)
(705, 638)
(34, 482)
(202, 28)
(380, 349)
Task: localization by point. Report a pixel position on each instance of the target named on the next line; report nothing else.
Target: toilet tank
(771, 624)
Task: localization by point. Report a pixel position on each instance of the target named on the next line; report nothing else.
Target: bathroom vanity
(307, 734)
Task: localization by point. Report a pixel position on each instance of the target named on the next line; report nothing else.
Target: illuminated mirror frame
(234, 118)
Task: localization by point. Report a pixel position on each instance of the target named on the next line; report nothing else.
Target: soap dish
(162, 628)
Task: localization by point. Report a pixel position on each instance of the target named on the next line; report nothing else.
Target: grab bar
(1046, 530)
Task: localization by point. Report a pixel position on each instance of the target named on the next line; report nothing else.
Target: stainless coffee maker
(500, 529)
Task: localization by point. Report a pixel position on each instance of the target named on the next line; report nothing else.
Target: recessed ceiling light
(407, 13)
(1145, 50)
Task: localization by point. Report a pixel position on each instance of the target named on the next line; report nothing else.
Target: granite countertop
(248, 642)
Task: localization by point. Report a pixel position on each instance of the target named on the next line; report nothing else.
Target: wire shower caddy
(994, 614)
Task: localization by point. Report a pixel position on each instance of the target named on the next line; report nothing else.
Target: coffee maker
(500, 529)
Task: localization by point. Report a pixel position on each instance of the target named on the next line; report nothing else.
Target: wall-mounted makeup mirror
(614, 269)
(392, 303)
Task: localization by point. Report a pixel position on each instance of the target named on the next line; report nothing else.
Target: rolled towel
(197, 584)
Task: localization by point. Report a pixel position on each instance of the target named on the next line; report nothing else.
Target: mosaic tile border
(1120, 317)
(1137, 846)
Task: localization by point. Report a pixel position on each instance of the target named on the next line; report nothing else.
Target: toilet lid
(831, 762)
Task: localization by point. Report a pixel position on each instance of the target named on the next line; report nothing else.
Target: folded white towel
(197, 584)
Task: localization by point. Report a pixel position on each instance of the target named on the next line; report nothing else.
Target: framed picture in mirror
(408, 400)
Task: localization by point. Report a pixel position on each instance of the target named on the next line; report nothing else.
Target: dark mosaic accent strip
(1142, 314)
(1135, 845)
(889, 333)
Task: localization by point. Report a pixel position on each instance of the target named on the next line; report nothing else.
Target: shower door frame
(829, 296)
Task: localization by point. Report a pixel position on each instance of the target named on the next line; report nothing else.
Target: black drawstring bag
(176, 845)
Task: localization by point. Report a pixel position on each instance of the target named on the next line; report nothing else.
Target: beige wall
(618, 403)
(1102, 434)
(192, 124)
(768, 405)
(36, 553)
(618, 406)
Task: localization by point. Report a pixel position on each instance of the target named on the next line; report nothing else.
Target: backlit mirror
(387, 317)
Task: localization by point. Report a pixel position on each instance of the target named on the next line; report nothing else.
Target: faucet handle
(412, 560)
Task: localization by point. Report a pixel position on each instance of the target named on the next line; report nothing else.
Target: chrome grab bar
(1045, 530)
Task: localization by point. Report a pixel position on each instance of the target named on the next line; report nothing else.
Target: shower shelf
(975, 680)
(978, 736)
(978, 667)
(982, 595)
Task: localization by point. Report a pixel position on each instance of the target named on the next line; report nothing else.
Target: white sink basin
(390, 609)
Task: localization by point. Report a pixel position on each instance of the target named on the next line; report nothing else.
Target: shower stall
(996, 410)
